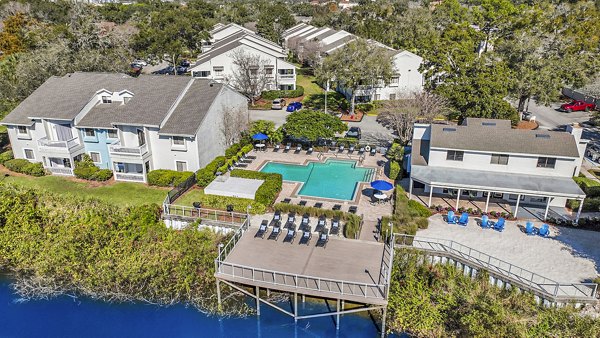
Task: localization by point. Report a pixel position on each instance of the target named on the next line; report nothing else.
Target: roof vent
(542, 135)
(449, 129)
(488, 123)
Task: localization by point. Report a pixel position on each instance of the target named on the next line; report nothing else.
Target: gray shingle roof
(497, 138)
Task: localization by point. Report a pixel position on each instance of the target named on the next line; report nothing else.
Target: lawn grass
(309, 84)
(121, 193)
(190, 197)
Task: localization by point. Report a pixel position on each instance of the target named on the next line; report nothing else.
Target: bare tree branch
(250, 75)
(235, 121)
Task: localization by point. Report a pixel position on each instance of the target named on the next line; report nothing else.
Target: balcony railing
(60, 171)
(133, 177)
(287, 76)
(116, 149)
(66, 145)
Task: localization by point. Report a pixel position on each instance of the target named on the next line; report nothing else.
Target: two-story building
(483, 159)
(218, 62)
(130, 125)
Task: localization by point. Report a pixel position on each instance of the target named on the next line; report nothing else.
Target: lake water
(67, 317)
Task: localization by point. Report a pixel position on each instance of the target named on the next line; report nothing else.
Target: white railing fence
(130, 177)
(45, 142)
(60, 171)
(116, 148)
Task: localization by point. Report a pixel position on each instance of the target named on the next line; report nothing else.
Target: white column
(547, 208)
(457, 198)
(517, 207)
(487, 202)
(410, 186)
(579, 210)
(430, 195)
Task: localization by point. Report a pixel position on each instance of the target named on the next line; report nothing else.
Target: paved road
(549, 117)
(372, 131)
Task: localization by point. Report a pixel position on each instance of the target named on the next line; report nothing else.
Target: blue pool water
(67, 317)
(333, 179)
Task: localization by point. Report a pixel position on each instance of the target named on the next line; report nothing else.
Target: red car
(577, 106)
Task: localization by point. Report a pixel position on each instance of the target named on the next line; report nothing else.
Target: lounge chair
(373, 151)
(335, 226)
(286, 201)
(291, 234)
(306, 235)
(450, 218)
(351, 149)
(321, 223)
(544, 230)
(529, 228)
(298, 149)
(276, 148)
(276, 219)
(251, 157)
(499, 226)
(323, 239)
(309, 151)
(275, 233)
(262, 229)
(290, 221)
(305, 222)
(337, 207)
(245, 160)
(353, 209)
(341, 149)
(485, 222)
(239, 164)
(318, 205)
(302, 203)
(464, 219)
(287, 148)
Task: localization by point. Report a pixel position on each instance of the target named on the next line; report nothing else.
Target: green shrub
(6, 156)
(394, 170)
(23, 166)
(417, 209)
(34, 169)
(167, 178)
(207, 174)
(16, 164)
(591, 205)
(268, 191)
(396, 152)
(365, 107)
(87, 170)
(232, 150)
(275, 94)
(573, 204)
(239, 204)
(103, 175)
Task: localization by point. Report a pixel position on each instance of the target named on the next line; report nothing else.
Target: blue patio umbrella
(381, 185)
(259, 137)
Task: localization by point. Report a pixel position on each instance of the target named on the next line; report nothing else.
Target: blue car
(293, 106)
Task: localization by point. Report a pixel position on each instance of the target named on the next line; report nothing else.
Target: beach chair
(529, 228)
(291, 234)
(341, 149)
(321, 223)
(353, 209)
(485, 222)
(262, 229)
(305, 221)
(306, 236)
(361, 150)
(287, 148)
(286, 201)
(250, 157)
(276, 148)
(544, 230)
(335, 226)
(275, 233)
(323, 239)
(337, 207)
(464, 219)
(309, 151)
(318, 205)
(351, 149)
(291, 220)
(450, 218)
(298, 149)
(276, 219)
(373, 151)
(499, 226)
(239, 164)
(302, 203)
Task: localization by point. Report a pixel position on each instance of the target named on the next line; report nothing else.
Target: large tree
(249, 75)
(273, 20)
(359, 65)
(312, 125)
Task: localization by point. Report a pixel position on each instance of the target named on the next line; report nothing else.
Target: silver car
(278, 104)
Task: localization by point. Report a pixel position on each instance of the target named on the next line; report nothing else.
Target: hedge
(352, 221)
(408, 217)
(23, 166)
(268, 191)
(167, 178)
(87, 170)
(6, 156)
(239, 204)
(207, 174)
(394, 170)
(275, 94)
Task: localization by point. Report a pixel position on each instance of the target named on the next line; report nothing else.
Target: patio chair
(335, 226)
(323, 239)
(276, 148)
(321, 223)
(373, 152)
(290, 221)
(245, 160)
(275, 233)
(276, 219)
(353, 209)
(309, 151)
(337, 207)
(529, 228)
(305, 221)
(341, 149)
(251, 157)
(262, 229)
(298, 149)
(351, 149)
(306, 236)
(318, 205)
(450, 218)
(544, 230)
(286, 201)
(239, 164)
(291, 234)
(302, 203)
(361, 150)
(464, 219)
(485, 222)
(287, 148)
(499, 226)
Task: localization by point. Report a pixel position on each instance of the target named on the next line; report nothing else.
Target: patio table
(380, 197)
(260, 146)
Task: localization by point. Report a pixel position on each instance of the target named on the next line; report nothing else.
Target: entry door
(141, 137)
(64, 132)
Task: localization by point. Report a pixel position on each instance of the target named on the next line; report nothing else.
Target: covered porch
(133, 172)
(481, 189)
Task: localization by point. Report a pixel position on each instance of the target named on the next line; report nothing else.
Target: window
(269, 71)
(534, 199)
(89, 132)
(29, 154)
(454, 155)
(204, 73)
(395, 81)
(96, 158)
(126, 99)
(286, 87)
(254, 71)
(392, 96)
(106, 99)
(181, 166)
(112, 133)
(499, 159)
(546, 162)
(286, 71)
(218, 70)
(178, 141)
(513, 197)
(22, 130)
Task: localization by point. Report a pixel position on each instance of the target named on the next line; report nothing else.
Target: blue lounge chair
(544, 230)
(499, 226)
(529, 228)
(450, 218)
(464, 219)
(485, 222)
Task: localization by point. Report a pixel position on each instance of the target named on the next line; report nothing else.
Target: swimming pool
(333, 179)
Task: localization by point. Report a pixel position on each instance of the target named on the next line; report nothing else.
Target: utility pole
(326, 90)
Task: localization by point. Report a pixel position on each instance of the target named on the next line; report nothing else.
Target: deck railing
(66, 145)
(60, 170)
(524, 277)
(116, 149)
(134, 177)
(221, 216)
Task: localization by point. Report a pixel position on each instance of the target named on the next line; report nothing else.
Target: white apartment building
(304, 38)
(487, 159)
(217, 63)
(129, 125)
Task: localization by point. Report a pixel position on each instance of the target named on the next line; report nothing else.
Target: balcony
(287, 78)
(60, 171)
(117, 150)
(131, 177)
(69, 148)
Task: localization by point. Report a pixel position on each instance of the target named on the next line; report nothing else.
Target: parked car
(185, 63)
(293, 106)
(170, 70)
(528, 116)
(181, 70)
(577, 106)
(354, 132)
(140, 62)
(278, 104)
